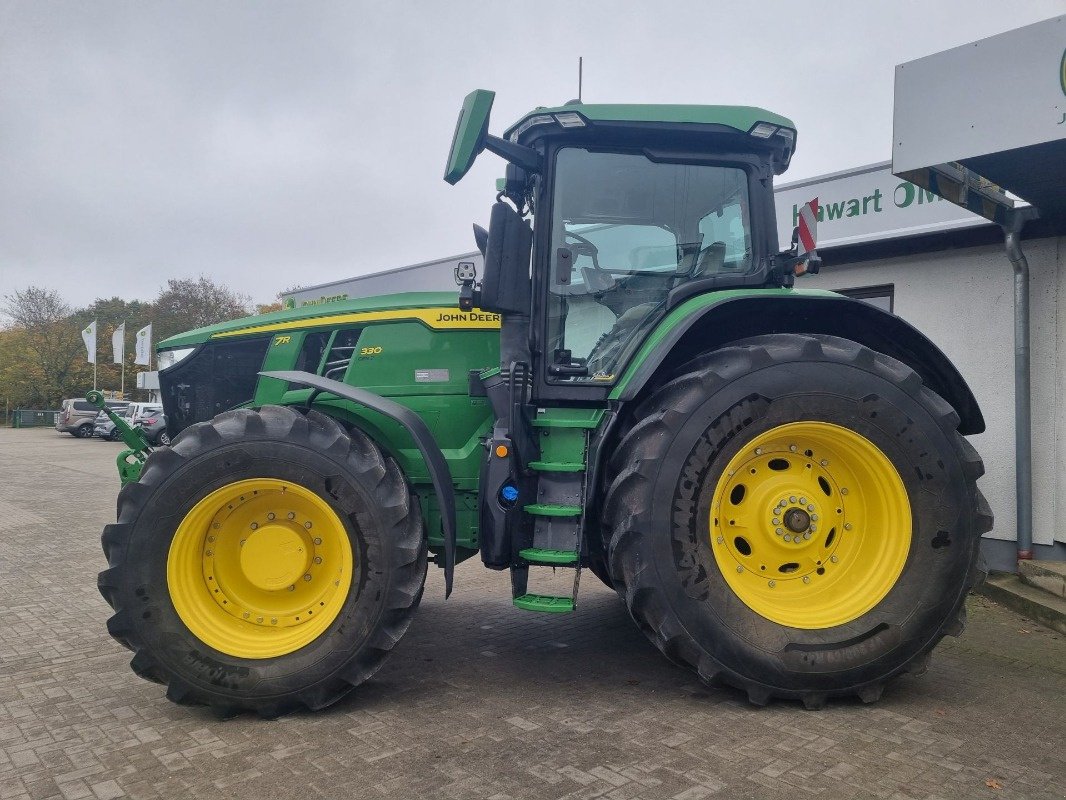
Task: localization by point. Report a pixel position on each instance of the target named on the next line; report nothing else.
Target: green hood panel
(306, 315)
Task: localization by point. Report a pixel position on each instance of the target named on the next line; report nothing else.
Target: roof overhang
(982, 122)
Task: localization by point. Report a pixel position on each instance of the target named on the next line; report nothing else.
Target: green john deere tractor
(775, 481)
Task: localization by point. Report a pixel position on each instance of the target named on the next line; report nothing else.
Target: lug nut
(810, 508)
(788, 538)
(772, 584)
(243, 541)
(307, 577)
(814, 517)
(777, 521)
(318, 559)
(806, 578)
(291, 515)
(246, 615)
(720, 540)
(217, 525)
(779, 531)
(843, 491)
(273, 620)
(255, 525)
(824, 463)
(758, 451)
(834, 559)
(807, 535)
(259, 620)
(209, 553)
(270, 515)
(292, 587)
(803, 501)
(847, 526)
(792, 499)
(740, 569)
(307, 525)
(318, 541)
(792, 448)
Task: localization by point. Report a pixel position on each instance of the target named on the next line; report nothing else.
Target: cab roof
(765, 127)
(740, 118)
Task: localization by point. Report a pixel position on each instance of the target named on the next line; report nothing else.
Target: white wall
(964, 301)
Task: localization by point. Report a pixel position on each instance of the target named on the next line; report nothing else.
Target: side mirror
(470, 131)
(472, 136)
(505, 285)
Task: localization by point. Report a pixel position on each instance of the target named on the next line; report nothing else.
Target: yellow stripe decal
(438, 318)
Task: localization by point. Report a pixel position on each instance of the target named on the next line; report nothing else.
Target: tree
(186, 304)
(44, 359)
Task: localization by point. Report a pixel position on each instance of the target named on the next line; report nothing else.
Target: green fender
(714, 319)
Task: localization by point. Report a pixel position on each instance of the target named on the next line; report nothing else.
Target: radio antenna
(579, 71)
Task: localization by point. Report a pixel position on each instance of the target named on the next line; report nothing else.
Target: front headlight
(168, 358)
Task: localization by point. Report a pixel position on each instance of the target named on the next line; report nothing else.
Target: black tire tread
(631, 473)
(326, 434)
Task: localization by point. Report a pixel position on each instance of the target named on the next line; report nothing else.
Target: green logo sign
(289, 303)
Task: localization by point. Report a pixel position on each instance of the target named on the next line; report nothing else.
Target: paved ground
(480, 700)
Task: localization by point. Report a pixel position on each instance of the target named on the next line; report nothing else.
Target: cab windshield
(634, 230)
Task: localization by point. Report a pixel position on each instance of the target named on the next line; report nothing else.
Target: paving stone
(574, 707)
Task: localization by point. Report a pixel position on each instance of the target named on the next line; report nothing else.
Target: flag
(89, 337)
(808, 227)
(118, 343)
(143, 346)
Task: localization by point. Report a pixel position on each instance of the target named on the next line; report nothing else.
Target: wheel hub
(274, 557)
(797, 520)
(260, 568)
(810, 524)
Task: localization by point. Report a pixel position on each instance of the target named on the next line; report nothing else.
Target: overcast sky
(271, 144)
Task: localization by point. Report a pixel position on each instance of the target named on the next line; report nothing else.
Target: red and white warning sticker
(808, 227)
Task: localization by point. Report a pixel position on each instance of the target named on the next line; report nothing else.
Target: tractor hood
(390, 306)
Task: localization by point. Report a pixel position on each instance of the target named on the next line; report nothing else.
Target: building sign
(865, 205)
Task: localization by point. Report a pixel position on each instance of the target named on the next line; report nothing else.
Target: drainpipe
(1023, 438)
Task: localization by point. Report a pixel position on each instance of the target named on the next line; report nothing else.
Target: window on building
(881, 296)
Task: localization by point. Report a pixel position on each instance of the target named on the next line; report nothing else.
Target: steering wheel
(587, 248)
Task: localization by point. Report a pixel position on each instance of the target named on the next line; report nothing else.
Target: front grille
(217, 377)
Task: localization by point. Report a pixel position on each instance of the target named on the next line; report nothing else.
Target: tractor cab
(610, 216)
(634, 208)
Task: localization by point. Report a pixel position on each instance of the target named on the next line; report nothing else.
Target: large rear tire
(269, 560)
(795, 516)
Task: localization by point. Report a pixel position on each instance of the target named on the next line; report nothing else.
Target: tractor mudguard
(435, 461)
(710, 321)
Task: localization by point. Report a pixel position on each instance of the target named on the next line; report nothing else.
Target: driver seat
(711, 260)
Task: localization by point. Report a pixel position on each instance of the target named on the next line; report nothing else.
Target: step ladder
(558, 513)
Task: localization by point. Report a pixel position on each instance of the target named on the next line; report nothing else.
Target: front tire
(235, 538)
(796, 516)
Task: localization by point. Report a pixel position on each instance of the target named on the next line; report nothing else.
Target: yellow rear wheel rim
(810, 525)
(259, 568)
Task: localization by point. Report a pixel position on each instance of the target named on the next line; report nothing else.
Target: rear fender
(711, 325)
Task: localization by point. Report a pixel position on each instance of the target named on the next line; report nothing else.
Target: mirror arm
(517, 154)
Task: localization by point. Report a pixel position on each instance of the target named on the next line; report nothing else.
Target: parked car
(78, 416)
(155, 428)
(105, 429)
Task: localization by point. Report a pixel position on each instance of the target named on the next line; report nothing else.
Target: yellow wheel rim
(259, 568)
(810, 525)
